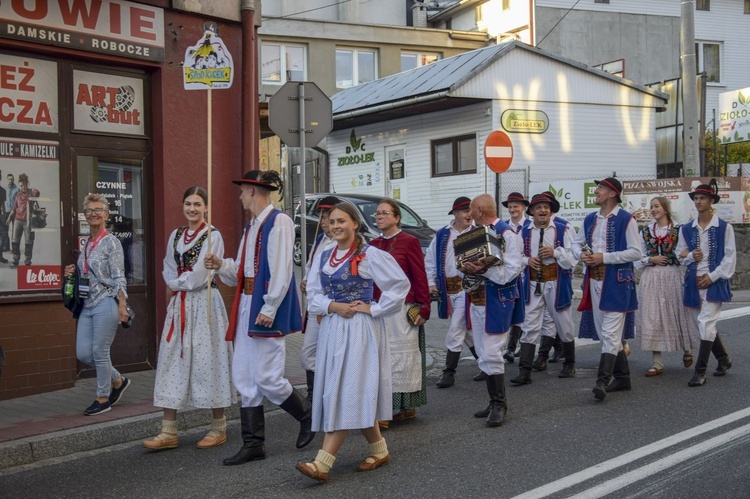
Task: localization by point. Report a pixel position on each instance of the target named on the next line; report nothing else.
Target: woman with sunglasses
(405, 330)
(103, 289)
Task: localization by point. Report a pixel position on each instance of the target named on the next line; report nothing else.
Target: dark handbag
(131, 314)
(74, 304)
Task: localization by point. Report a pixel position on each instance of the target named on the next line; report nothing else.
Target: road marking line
(734, 313)
(655, 467)
(581, 476)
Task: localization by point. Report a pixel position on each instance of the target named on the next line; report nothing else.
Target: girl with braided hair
(353, 364)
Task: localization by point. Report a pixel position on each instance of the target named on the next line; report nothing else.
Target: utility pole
(691, 131)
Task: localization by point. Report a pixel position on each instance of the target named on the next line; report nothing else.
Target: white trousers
(489, 347)
(609, 325)
(310, 343)
(706, 317)
(540, 311)
(458, 334)
(258, 369)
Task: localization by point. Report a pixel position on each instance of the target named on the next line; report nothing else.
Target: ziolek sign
(112, 27)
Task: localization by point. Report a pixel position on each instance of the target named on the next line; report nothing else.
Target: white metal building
(419, 135)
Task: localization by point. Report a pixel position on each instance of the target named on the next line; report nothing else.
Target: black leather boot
(604, 375)
(540, 364)
(498, 405)
(310, 386)
(621, 374)
(513, 336)
(699, 378)
(524, 364)
(569, 362)
(252, 424)
(480, 376)
(719, 350)
(297, 406)
(558, 350)
(449, 373)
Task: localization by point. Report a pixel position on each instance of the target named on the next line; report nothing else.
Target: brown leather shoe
(366, 465)
(384, 424)
(311, 470)
(405, 414)
(161, 441)
(212, 439)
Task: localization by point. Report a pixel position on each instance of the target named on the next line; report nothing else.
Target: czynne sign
(114, 27)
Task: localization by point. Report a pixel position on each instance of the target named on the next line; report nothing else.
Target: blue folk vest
(288, 317)
(343, 286)
(618, 287)
(504, 304)
(719, 291)
(564, 277)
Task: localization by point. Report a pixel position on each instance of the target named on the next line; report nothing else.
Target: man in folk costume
(266, 308)
(502, 295)
(516, 205)
(608, 244)
(444, 279)
(323, 241)
(707, 247)
(548, 286)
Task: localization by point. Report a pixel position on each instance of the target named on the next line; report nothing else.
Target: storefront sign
(357, 147)
(108, 103)
(208, 64)
(734, 116)
(112, 27)
(34, 228)
(524, 121)
(577, 198)
(28, 94)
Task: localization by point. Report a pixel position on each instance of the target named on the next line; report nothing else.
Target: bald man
(501, 288)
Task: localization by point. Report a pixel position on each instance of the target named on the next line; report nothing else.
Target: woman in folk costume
(353, 364)
(664, 324)
(194, 359)
(405, 330)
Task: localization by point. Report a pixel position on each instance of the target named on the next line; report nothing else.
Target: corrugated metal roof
(441, 78)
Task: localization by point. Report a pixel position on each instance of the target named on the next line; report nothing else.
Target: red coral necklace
(189, 239)
(335, 262)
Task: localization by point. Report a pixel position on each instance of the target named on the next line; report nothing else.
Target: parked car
(366, 205)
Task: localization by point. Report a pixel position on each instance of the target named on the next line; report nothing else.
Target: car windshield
(408, 218)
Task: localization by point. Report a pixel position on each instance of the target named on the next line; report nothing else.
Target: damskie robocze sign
(114, 27)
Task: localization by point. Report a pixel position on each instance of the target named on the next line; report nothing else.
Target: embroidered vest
(342, 286)
(288, 317)
(618, 286)
(564, 295)
(719, 291)
(186, 261)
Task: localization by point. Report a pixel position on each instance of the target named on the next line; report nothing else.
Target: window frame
(455, 142)
(601, 1)
(747, 6)
(419, 54)
(699, 62)
(355, 64)
(506, 4)
(282, 61)
(704, 5)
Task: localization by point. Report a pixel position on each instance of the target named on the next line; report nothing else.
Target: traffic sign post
(301, 115)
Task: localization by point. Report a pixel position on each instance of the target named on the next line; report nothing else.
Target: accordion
(481, 245)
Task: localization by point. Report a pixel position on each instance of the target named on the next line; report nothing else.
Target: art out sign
(112, 27)
(108, 103)
(28, 94)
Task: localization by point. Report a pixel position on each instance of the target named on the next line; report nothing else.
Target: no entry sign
(498, 151)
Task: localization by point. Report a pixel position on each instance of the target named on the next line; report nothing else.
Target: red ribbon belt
(182, 320)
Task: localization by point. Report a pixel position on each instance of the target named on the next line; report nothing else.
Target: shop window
(703, 5)
(454, 156)
(354, 67)
(411, 60)
(601, 1)
(281, 63)
(709, 60)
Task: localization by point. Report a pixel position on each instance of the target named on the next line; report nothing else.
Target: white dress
(194, 362)
(353, 364)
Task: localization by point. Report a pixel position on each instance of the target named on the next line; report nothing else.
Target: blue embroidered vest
(504, 304)
(288, 317)
(719, 291)
(564, 277)
(342, 286)
(618, 287)
(441, 246)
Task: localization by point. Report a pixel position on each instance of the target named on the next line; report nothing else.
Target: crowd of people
(367, 304)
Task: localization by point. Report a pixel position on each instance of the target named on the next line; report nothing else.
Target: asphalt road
(661, 440)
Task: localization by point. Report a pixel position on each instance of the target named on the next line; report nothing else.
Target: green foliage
(735, 153)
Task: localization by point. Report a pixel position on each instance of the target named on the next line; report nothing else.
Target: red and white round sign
(498, 151)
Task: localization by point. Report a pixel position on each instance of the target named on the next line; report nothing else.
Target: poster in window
(28, 100)
(396, 163)
(29, 215)
(108, 103)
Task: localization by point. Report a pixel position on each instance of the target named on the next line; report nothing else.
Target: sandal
(311, 470)
(687, 360)
(372, 462)
(654, 371)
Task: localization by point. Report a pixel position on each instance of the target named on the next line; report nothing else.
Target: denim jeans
(96, 332)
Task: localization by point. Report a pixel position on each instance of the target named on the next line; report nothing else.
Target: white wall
(388, 12)
(497, 21)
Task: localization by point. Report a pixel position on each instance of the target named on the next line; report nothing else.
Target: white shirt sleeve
(280, 248)
(682, 246)
(169, 268)
(430, 263)
(317, 301)
(382, 268)
(579, 239)
(228, 270)
(512, 256)
(632, 253)
(198, 277)
(725, 270)
(564, 254)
